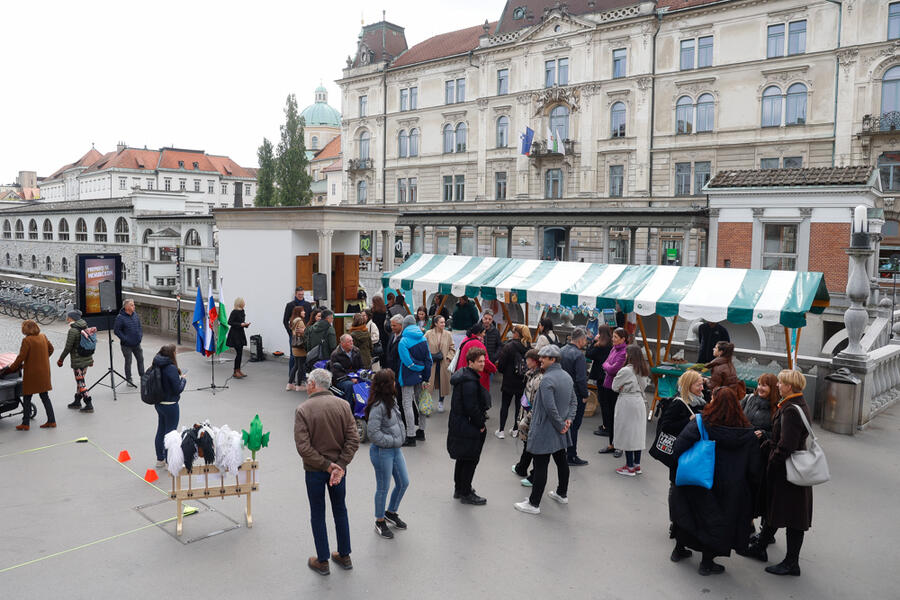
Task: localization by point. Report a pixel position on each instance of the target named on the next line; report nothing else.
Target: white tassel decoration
(229, 451)
(174, 455)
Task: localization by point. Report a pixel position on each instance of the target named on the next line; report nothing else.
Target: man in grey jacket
(552, 414)
(573, 362)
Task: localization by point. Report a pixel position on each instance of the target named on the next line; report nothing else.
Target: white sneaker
(290, 387)
(526, 507)
(440, 406)
(499, 434)
(514, 433)
(160, 464)
(558, 498)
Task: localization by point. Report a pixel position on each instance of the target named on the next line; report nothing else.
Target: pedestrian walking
(414, 368)
(607, 395)
(127, 328)
(391, 357)
(297, 300)
(532, 385)
(79, 361)
(386, 433)
(573, 362)
(717, 521)
(237, 338)
(379, 318)
(511, 363)
(465, 315)
(492, 341)
(545, 334)
(326, 438)
(297, 376)
(321, 333)
(435, 305)
(167, 410)
(787, 505)
(34, 360)
(475, 339)
(422, 318)
(440, 344)
(597, 352)
(631, 410)
(466, 424)
(374, 335)
(722, 371)
(553, 412)
(362, 339)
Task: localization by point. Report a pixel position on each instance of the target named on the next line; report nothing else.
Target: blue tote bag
(698, 464)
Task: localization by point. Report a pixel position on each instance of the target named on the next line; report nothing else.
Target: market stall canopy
(734, 295)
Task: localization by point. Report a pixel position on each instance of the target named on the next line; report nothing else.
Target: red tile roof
(443, 45)
(337, 165)
(331, 150)
(151, 160)
(859, 175)
(128, 158)
(170, 157)
(372, 36)
(229, 168)
(89, 158)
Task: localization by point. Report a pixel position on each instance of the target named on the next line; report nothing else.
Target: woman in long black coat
(597, 352)
(466, 424)
(512, 354)
(787, 505)
(236, 338)
(718, 520)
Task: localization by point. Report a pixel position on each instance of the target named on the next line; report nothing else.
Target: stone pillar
(686, 247)
(458, 240)
(604, 240)
(567, 250)
(387, 251)
(325, 236)
(475, 238)
(412, 238)
(632, 245)
(374, 250)
(509, 240)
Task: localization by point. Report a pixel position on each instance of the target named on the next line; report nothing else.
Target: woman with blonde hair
(236, 338)
(440, 344)
(630, 416)
(34, 356)
(511, 363)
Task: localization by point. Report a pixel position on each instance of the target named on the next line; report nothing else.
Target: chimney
(120, 146)
(238, 194)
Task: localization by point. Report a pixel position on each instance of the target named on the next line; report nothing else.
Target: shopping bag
(807, 467)
(425, 403)
(698, 464)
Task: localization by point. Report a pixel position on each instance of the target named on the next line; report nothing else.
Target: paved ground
(609, 542)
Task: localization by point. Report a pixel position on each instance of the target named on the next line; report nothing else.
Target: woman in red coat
(34, 356)
(475, 339)
(787, 505)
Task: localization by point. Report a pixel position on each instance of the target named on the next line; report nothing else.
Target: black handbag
(437, 357)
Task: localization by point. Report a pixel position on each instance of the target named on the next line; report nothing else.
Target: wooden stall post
(443, 301)
(640, 322)
(787, 343)
(658, 336)
(669, 343)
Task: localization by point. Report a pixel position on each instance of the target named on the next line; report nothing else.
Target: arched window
(890, 99)
(553, 183)
(192, 238)
(99, 230)
(795, 112)
(122, 232)
(20, 230)
(49, 264)
(64, 265)
(7, 230)
(771, 107)
(503, 132)
(617, 120)
(684, 115)
(63, 230)
(33, 262)
(559, 122)
(362, 190)
(8, 260)
(448, 138)
(364, 145)
(32, 230)
(461, 137)
(80, 230)
(146, 239)
(403, 144)
(413, 142)
(706, 112)
(20, 262)
(314, 145)
(48, 230)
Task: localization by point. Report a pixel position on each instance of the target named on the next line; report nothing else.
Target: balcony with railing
(885, 123)
(544, 149)
(359, 164)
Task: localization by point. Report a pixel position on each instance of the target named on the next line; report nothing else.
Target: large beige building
(634, 107)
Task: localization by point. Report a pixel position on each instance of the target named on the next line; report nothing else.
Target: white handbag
(807, 467)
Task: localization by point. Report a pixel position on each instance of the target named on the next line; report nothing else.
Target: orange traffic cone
(150, 476)
(124, 456)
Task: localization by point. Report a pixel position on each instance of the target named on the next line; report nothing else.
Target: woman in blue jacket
(167, 410)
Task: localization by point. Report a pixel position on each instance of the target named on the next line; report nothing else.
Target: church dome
(321, 114)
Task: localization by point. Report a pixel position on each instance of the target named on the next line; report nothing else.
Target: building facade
(634, 106)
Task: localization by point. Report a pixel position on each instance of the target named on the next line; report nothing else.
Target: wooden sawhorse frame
(180, 494)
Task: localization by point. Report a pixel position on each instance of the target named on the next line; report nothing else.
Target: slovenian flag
(223, 322)
(210, 346)
(552, 143)
(198, 321)
(527, 139)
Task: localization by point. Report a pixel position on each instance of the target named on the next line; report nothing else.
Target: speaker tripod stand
(212, 386)
(111, 371)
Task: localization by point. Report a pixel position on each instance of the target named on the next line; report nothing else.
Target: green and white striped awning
(734, 295)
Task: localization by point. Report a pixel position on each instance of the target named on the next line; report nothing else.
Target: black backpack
(521, 365)
(86, 344)
(152, 391)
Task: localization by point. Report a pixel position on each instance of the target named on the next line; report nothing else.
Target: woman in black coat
(787, 505)
(597, 352)
(718, 520)
(466, 428)
(236, 338)
(512, 356)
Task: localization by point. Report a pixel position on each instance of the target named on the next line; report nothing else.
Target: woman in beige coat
(440, 344)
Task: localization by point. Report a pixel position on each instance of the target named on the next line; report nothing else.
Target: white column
(325, 236)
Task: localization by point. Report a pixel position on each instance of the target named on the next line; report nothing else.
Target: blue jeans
(632, 458)
(388, 462)
(316, 484)
(168, 420)
(346, 387)
(290, 356)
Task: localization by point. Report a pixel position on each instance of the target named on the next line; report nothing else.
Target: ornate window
(771, 107)
(706, 110)
(20, 230)
(362, 189)
(100, 230)
(795, 113)
(192, 238)
(122, 232)
(34, 262)
(448, 138)
(63, 230)
(616, 180)
(502, 132)
(403, 144)
(364, 145)
(559, 121)
(617, 120)
(460, 137)
(553, 183)
(32, 230)
(48, 230)
(890, 98)
(894, 21)
(7, 230)
(684, 115)
(48, 264)
(413, 142)
(80, 230)
(314, 142)
(146, 238)
(64, 265)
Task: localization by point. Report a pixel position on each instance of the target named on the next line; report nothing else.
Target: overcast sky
(194, 74)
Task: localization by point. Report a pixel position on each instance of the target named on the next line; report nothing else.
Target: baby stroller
(11, 391)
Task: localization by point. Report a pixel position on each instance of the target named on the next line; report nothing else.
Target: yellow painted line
(78, 440)
(129, 469)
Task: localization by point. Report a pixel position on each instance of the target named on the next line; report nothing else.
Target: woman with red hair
(718, 520)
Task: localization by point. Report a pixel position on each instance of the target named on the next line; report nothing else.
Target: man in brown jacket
(326, 438)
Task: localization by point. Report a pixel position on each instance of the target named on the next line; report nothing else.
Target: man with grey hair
(344, 360)
(573, 362)
(326, 438)
(127, 328)
(391, 358)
